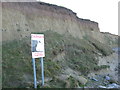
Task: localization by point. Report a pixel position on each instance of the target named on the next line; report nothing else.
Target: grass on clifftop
(80, 55)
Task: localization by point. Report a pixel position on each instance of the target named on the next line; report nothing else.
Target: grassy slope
(80, 55)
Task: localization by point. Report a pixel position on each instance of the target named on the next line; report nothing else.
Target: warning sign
(37, 45)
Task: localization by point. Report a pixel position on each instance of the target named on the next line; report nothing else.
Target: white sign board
(37, 45)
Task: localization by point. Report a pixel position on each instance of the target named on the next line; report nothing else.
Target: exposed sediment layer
(19, 19)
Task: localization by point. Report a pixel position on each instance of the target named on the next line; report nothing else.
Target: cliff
(20, 19)
(74, 47)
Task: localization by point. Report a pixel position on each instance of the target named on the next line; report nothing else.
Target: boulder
(81, 79)
(107, 78)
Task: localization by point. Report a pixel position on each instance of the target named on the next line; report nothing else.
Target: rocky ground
(106, 78)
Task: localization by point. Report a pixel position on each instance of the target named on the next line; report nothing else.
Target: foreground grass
(80, 55)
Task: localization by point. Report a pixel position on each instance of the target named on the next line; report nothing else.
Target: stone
(67, 84)
(107, 77)
(82, 80)
(113, 85)
(102, 86)
(94, 79)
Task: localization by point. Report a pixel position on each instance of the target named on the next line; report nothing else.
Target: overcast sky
(105, 12)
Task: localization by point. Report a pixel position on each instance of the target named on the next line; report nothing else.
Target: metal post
(34, 70)
(42, 71)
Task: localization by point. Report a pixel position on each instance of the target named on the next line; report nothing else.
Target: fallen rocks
(110, 86)
(82, 80)
(107, 78)
(113, 85)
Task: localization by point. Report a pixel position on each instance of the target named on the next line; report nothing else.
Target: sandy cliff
(20, 19)
(73, 46)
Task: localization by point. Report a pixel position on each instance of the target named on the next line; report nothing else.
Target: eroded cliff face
(36, 17)
(72, 56)
(20, 19)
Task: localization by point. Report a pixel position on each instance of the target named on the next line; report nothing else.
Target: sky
(105, 12)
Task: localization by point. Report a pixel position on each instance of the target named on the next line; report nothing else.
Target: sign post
(42, 69)
(37, 47)
(34, 70)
